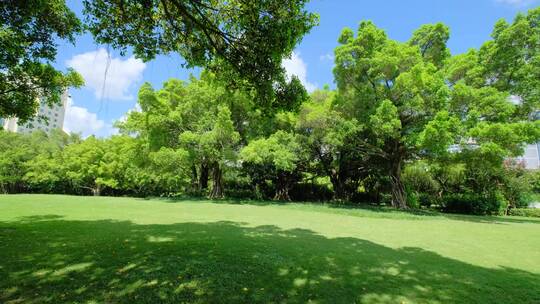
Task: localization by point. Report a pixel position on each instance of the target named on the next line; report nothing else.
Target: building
(54, 115)
(531, 157)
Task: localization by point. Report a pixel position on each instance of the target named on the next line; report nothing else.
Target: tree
(495, 95)
(27, 35)
(194, 117)
(170, 169)
(15, 150)
(83, 165)
(394, 90)
(511, 61)
(44, 172)
(329, 138)
(247, 37)
(414, 101)
(278, 158)
(215, 146)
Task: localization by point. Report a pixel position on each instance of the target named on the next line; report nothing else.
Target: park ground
(65, 249)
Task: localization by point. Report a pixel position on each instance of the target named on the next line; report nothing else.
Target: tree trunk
(203, 177)
(194, 179)
(282, 189)
(338, 184)
(282, 194)
(217, 182)
(399, 199)
(96, 191)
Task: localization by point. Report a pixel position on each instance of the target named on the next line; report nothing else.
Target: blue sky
(93, 108)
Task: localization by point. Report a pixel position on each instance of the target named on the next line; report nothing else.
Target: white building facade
(55, 118)
(531, 157)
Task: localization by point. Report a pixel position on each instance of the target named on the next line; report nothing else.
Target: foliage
(28, 30)
(194, 118)
(512, 59)
(278, 158)
(516, 186)
(418, 177)
(473, 203)
(396, 92)
(534, 178)
(413, 100)
(420, 185)
(29, 162)
(528, 212)
(409, 125)
(247, 38)
(329, 139)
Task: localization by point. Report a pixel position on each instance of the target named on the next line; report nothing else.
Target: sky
(109, 94)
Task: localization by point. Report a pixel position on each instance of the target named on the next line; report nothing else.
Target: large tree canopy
(414, 101)
(245, 40)
(511, 61)
(28, 30)
(248, 37)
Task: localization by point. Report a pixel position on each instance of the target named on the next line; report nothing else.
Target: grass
(63, 249)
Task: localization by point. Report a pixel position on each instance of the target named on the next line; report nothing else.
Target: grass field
(62, 249)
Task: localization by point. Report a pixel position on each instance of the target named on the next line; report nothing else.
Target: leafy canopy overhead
(245, 40)
(28, 30)
(245, 36)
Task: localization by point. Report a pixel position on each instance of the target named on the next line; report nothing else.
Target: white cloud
(108, 77)
(519, 3)
(296, 66)
(327, 57)
(80, 120)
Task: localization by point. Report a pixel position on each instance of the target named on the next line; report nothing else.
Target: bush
(418, 178)
(310, 192)
(413, 200)
(426, 200)
(534, 180)
(517, 184)
(470, 203)
(529, 212)
(238, 187)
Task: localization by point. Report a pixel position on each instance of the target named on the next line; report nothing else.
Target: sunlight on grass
(61, 249)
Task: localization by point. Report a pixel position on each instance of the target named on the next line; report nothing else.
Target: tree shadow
(59, 261)
(491, 219)
(228, 201)
(380, 210)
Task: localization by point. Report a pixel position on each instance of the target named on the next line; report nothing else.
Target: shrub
(426, 200)
(417, 177)
(534, 180)
(239, 187)
(471, 203)
(516, 184)
(529, 212)
(310, 192)
(413, 200)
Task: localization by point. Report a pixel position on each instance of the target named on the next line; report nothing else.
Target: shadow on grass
(60, 261)
(229, 201)
(490, 219)
(414, 213)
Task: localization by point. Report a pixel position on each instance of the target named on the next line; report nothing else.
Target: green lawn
(63, 249)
